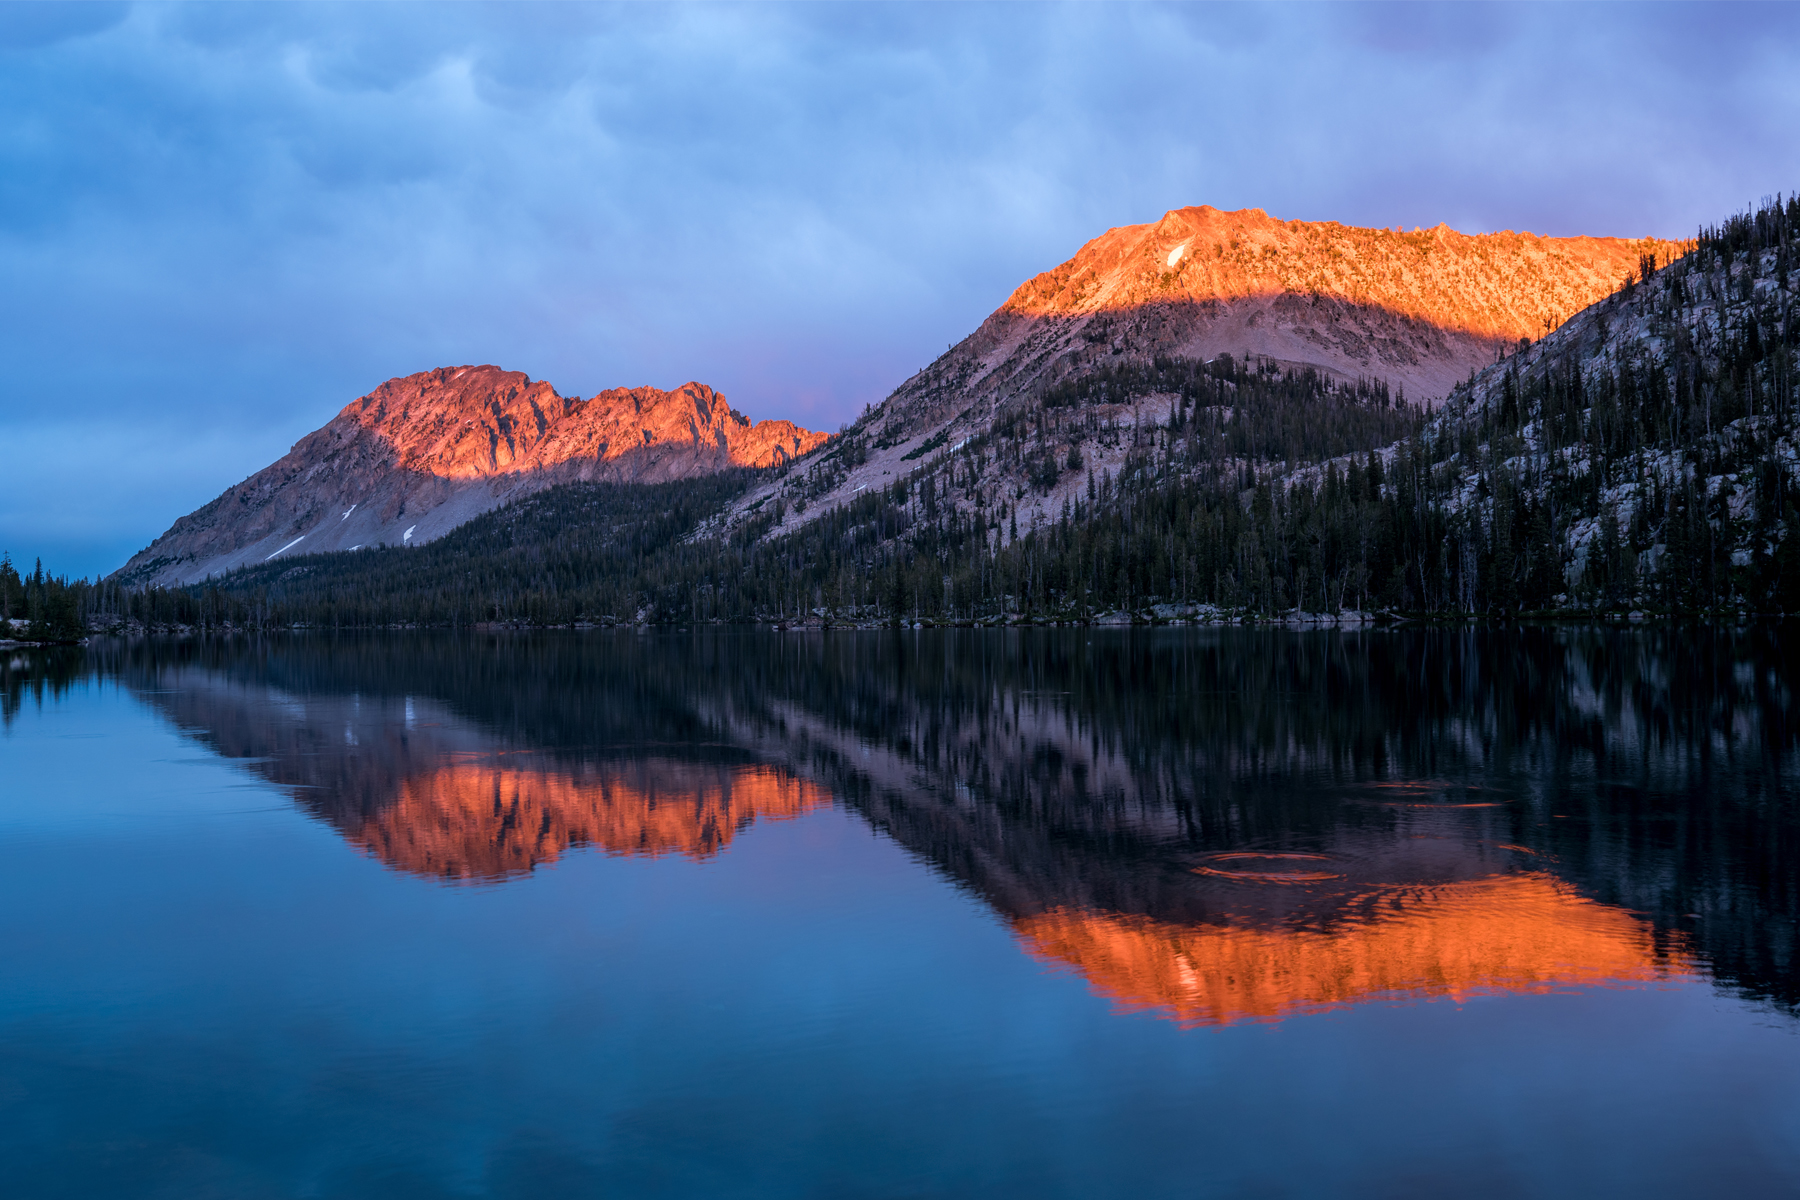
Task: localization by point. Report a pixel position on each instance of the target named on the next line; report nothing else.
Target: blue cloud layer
(218, 224)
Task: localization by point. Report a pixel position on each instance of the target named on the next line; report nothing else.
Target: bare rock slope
(1417, 311)
(420, 455)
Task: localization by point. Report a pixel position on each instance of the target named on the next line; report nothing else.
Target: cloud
(34, 24)
(219, 224)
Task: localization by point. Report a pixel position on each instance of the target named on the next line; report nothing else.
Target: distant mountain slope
(1644, 455)
(420, 455)
(1415, 313)
(1418, 310)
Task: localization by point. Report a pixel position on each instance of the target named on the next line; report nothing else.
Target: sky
(219, 224)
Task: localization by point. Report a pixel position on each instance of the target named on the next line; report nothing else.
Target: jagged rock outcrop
(420, 455)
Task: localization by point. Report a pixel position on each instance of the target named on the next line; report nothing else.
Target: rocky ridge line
(1419, 311)
(422, 454)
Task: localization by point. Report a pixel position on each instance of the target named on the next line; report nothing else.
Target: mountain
(1411, 313)
(1419, 310)
(1641, 458)
(423, 454)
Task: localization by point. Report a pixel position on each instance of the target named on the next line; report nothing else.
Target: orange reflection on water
(1506, 933)
(485, 820)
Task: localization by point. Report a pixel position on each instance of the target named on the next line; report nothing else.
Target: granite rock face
(420, 455)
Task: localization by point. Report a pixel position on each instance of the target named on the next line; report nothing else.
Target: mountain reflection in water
(427, 791)
(1511, 933)
(1211, 825)
(486, 821)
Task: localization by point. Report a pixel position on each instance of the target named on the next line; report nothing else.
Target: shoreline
(1143, 619)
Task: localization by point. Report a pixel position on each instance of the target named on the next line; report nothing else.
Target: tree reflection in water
(1212, 824)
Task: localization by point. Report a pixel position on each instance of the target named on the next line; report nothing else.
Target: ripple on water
(1252, 866)
(1424, 793)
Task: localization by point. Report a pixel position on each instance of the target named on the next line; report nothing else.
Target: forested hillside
(1639, 458)
(933, 545)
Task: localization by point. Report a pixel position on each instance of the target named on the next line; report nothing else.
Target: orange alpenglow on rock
(1509, 933)
(483, 821)
(420, 455)
(1499, 286)
(1419, 310)
(477, 422)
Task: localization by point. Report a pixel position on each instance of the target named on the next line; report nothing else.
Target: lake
(1047, 913)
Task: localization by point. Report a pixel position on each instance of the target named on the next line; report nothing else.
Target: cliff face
(420, 455)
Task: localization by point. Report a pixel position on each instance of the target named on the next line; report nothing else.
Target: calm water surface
(1033, 913)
